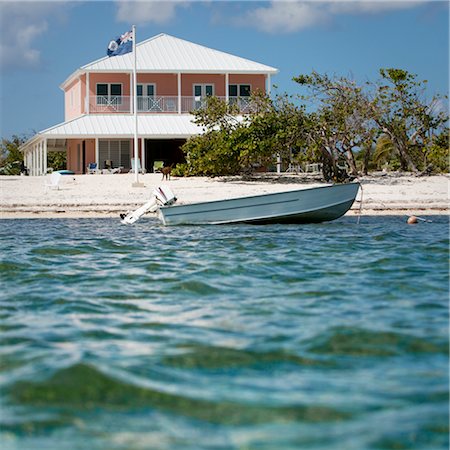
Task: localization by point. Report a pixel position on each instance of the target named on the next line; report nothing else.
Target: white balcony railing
(156, 104)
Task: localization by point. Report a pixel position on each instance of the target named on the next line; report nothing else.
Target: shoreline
(105, 196)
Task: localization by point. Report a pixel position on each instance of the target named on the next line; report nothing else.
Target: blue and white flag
(121, 45)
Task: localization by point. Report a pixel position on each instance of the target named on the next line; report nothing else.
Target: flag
(121, 45)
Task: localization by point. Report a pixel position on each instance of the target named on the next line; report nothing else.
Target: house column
(132, 96)
(268, 84)
(34, 160)
(87, 106)
(41, 158)
(227, 83)
(179, 91)
(97, 154)
(142, 142)
(45, 156)
(39, 171)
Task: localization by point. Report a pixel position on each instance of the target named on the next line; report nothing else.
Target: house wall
(73, 104)
(123, 78)
(166, 83)
(75, 154)
(188, 80)
(257, 82)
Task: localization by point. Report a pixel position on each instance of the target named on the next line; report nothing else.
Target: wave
(350, 341)
(83, 387)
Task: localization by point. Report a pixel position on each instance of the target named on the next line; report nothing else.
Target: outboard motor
(162, 196)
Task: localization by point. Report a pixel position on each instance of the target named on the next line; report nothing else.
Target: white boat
(318, 204)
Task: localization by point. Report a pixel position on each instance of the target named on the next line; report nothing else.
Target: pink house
(173, 78)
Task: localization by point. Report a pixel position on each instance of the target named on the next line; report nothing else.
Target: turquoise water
(325, 336)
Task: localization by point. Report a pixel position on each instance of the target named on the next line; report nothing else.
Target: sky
(44, 42)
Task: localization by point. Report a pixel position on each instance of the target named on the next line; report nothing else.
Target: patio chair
(157, 166)
(92, 168)
(139, 168)
(52, 181)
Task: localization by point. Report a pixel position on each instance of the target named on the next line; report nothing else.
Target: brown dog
(166, 172)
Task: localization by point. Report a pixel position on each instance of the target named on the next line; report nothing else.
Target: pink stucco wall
(75, 156)
(73, 100)
(166, 85)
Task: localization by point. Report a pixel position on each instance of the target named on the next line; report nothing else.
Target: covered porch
(102, 139)
(35, 153)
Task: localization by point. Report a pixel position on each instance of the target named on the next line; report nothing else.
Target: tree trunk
(351, 162)
(405, 159)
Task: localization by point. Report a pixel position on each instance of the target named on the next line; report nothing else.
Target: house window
(239, 90)
(146, 90)
(114, 153)
(146, 100)
(109, 94)
(200, 92)
(239, 94)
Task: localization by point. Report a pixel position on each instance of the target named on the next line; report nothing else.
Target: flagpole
(135, 106)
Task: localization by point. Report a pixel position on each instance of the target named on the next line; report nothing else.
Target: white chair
(133, 166)
(52, 181)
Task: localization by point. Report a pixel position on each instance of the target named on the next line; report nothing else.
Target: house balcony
(157, 104)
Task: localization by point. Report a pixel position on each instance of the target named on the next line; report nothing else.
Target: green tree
(405, 117)
(10, 155)
(340, 122)
(232, 144)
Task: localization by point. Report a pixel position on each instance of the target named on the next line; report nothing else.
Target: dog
(166, 172)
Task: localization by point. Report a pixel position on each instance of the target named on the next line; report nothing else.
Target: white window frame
(144, 89)
(238, 85)
(109, 96)
(203, 89)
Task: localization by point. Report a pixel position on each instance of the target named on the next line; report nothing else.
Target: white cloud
(23, 25)
(150, 11)
(284, 16)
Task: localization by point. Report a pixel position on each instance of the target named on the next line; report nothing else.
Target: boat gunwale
(258, 195)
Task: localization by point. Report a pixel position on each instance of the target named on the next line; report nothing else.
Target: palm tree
(385, 151)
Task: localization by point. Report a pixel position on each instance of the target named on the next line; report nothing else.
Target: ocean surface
(324, 336)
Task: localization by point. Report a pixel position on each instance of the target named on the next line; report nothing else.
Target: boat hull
(311, 205)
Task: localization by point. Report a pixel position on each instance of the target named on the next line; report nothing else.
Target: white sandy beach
(108, 195)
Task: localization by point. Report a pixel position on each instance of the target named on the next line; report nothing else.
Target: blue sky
(44, 42)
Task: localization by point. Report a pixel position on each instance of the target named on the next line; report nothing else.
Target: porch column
(227, 83)
(132, 93)
(87, 106)
(142, 141)
(179, 91)
(45, 156)
(34, 159)
(97, 154)
(39, 159)
(268, 84)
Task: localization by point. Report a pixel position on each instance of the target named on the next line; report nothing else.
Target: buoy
(411, 220)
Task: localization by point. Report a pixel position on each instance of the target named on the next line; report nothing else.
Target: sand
(109, 194)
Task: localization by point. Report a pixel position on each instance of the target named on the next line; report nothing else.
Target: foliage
(438, 152)
(57, 160)
(340, 124)
(10, 155)
(230, 145)
(405, 117)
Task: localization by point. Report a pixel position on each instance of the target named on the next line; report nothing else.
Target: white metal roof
(156, 126)
(165, 53)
